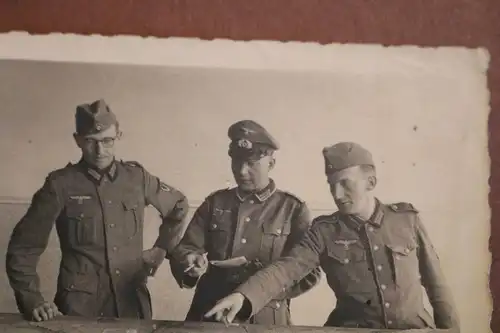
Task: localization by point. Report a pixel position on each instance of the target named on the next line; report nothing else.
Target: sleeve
(433, 280)
(193, 241)
(173, 207)
(300, 226)
(282, 274)
(28, 241)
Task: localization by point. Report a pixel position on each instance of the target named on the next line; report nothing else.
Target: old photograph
(255, 182)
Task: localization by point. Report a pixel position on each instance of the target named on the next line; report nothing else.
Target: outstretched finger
(219, 307)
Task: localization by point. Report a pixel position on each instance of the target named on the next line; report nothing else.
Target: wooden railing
(10, 322)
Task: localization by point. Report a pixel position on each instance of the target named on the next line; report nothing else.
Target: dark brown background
(474, 23)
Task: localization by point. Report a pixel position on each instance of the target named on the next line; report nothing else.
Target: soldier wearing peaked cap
(375, 257)
(97, 206)
(254, 220)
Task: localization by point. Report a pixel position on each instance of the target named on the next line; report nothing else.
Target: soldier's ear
(272, 163)
(372, 182)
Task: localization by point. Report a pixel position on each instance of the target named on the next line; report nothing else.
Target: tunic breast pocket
(219, 236)
(405, 263)
(348, 263)
(132, 218)
(340, 254)
(274, 238)
(81, 225)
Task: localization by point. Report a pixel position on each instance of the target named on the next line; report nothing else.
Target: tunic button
(396, 257)
(407, 251)
(115, 248)
(247, 219)
(112, 225)
(383, 286)
(82, 215)
(102, 314)
(251, 201)
(110, 202)
(278, 231)
(277, 305)
(387, 305)
(214, 226)
(375, 247)
(243, 240)
(71, 286)
(346, 260)
(389, 322)
(370, 229)
(117, 272)
(379, 267)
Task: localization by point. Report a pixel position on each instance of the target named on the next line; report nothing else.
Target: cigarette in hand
(189, 268)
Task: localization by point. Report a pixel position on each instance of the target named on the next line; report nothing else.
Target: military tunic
(262, 226)
(376, 270)
(99, 222)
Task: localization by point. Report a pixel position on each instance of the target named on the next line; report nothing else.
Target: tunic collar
(110, 172)
(261, 195)
(375, 220)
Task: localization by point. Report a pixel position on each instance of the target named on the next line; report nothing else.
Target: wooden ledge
(10, 322)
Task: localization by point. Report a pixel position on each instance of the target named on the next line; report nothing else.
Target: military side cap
(94, 118)
(345, 155)
(249, 139)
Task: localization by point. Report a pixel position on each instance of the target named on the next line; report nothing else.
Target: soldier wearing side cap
(375, 256)
(97, 206)
(254, 220)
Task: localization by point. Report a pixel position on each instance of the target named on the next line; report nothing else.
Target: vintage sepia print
(264, 183)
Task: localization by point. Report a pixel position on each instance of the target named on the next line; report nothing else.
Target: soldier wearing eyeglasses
(97, 206)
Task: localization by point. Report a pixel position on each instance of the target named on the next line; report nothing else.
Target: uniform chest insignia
(218, 211)
(80, 198)
(164, 187)
(346, 242)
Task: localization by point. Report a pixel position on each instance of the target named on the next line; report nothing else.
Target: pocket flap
(339, 254)
(130, 204)
(346, 255)
(277, 229)
(403, 250)
(78, 212)
(80, 283)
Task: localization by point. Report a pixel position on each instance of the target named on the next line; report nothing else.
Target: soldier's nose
(244, 170)
(337, 191)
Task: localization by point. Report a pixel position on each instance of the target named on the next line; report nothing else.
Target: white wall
(425, 125)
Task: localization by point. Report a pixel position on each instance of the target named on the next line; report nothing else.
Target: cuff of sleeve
(246, 311)
(166, 243)
(253, 303)
(163, 244)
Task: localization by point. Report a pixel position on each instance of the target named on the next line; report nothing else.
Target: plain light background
(421, 112)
